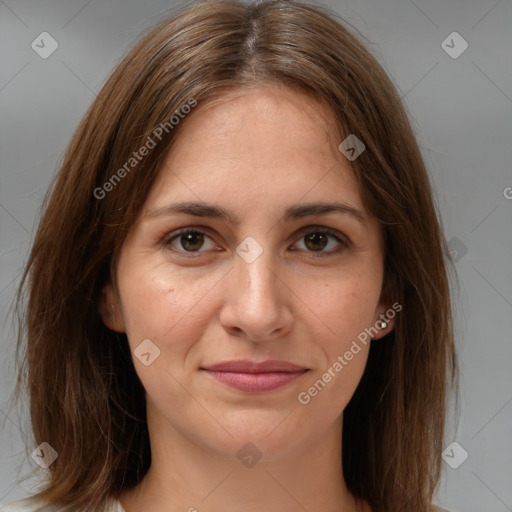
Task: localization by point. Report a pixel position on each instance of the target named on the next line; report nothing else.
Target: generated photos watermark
(149, 144)
(304, 397)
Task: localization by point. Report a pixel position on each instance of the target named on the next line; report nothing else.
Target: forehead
(254, 113)
(273, 143)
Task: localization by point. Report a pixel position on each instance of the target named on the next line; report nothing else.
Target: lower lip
(256, 382)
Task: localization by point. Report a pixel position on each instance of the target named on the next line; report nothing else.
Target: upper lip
(247, 366)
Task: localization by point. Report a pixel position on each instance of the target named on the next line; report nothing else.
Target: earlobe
(109, 310)
(384, 324)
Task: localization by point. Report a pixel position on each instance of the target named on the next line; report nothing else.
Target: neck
(187, 476)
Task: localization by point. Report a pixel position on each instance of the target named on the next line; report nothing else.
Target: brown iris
(316, 239)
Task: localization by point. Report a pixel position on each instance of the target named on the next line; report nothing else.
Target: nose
(257, 304)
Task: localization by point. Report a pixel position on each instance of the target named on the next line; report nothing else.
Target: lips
(253, 377)
(246, 366)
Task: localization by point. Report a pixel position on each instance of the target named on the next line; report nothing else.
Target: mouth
(252, 377)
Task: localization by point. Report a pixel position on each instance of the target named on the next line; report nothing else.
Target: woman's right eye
(187, 240)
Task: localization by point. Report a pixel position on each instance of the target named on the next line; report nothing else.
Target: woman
(238, 293)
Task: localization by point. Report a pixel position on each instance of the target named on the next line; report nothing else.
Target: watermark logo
(457, 249)
(44, 45)
(146, 352)
(249, 250)
(249, 455)
(352, 147)
(44, 455)
(454, 455)
(454, 45)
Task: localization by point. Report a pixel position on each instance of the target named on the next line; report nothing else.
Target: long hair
(85, 397)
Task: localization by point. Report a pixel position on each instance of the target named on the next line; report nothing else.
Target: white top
(30, 505)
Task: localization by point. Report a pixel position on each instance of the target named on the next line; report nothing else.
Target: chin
(260, 440)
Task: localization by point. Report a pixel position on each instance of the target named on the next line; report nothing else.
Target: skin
(258, 152)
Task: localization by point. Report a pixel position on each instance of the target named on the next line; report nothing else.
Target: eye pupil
(316, 238)
(189, 240)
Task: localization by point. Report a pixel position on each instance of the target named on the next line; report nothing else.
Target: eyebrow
(198, 209)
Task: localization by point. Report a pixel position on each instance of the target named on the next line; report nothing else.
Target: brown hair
(86, 400)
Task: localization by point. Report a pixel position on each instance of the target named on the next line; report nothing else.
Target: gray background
(461, 110)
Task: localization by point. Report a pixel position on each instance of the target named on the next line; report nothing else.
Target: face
(249, 271)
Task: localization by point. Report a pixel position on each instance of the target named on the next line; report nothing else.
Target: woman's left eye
(318, 239)
(314, 241)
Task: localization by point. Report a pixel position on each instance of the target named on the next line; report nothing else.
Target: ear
(109, 309)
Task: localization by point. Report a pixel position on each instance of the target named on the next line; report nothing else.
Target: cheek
(345, 310)
(344, 305)
(161, 305)
(169, 310)
(329, 390)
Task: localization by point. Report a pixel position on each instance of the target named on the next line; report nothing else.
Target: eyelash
(169, 238)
